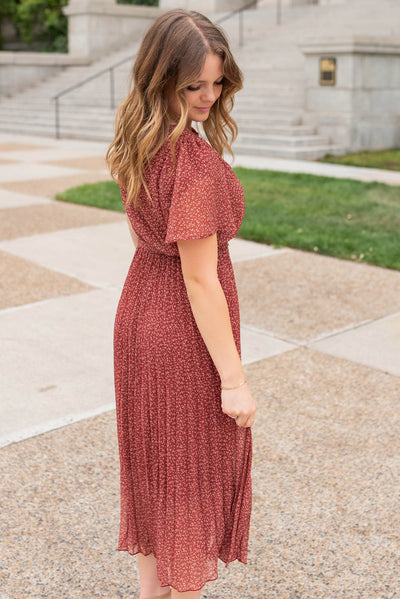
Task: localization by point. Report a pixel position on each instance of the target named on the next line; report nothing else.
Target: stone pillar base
(361, 111)
(96, 27)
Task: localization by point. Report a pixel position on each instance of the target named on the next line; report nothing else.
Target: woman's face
(201, 94)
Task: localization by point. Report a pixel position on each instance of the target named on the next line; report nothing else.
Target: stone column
(362, 109)
(96, 27)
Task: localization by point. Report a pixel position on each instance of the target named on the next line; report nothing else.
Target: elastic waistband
(143, 245)
(148, 248)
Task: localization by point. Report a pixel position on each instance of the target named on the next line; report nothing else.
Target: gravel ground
(325, 519)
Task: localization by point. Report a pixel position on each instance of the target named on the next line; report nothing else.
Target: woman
(184, 410)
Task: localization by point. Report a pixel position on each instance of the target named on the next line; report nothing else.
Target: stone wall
(19, 70)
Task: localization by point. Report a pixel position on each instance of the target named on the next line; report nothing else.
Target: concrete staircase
(269, 108)
(85, 113)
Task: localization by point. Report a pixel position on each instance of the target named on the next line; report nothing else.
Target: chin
(201, 119)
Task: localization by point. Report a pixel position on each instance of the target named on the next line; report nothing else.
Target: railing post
(241, 28)
(112, 103)
(57, 115)
(278, 12)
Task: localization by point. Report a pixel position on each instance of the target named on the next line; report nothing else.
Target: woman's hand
(239, 404)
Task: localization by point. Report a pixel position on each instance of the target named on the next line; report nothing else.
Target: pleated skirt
(185, 466)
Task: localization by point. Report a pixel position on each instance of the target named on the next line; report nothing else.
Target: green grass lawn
(384, 159)
(338, 217)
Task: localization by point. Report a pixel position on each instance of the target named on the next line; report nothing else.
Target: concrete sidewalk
(321, 345)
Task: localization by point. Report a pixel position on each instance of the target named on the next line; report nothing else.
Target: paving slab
(12, 199)
(257, 344)
(97, 163)
(325, 509)
(376, 344)
(107, 248)
(48, 188)
(99, 255)
(25, 221)
(23, 282)
(33, 171)
(56, 361)
(299, 296)
(34, 141)
(243, 249)
(15, 147)
(56, 153)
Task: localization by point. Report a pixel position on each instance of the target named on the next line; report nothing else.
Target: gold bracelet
(237, 386)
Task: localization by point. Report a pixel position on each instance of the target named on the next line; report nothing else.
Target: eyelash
(196, 89)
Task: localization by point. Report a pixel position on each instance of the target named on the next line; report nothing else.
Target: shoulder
(195, 162)
(197, 153)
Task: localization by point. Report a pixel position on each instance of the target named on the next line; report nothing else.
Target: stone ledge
(114, 10)
(354, 44)
(42, 58)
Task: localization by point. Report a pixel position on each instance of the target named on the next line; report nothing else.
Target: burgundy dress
(185, 466)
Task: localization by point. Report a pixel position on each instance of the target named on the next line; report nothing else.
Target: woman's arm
(132, 232)
(210, 309)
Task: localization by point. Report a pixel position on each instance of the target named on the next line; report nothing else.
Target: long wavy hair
(172, 53)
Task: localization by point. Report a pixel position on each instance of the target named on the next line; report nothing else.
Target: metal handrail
(238, 11)
(65, 91)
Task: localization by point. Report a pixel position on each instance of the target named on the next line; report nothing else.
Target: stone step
(87, 133)
(295, 153)
(39, 116)
(287, 141)
(49, 125)
(274, 129)
(265, 118)
(76, 111)
(271, 100)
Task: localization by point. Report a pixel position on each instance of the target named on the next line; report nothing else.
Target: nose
(209, 94)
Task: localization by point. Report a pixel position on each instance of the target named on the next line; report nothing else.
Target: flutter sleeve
(200, 201)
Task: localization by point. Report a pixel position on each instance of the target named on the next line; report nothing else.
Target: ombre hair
(172, 54)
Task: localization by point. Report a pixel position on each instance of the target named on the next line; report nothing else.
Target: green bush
(7, 10)
(43, 24)
(139, 2)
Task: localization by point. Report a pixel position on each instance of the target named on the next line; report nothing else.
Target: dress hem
(174, 587)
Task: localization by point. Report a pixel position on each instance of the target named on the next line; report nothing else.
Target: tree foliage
(139, 2)
(42, 22)
(7, 10)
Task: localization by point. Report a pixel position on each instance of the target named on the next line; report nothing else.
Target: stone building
(324, 77)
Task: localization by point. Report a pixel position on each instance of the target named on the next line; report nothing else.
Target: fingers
(247, 423)
(244, 420)
(240, 406)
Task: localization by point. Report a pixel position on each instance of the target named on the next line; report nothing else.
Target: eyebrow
(201, 81)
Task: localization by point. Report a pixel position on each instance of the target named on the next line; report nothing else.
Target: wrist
(232, 380)
(234, 386)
